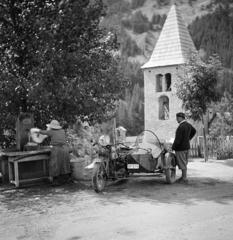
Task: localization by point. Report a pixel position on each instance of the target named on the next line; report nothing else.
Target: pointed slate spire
(174, 43)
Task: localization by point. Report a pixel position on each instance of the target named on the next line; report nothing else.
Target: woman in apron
(59, 165)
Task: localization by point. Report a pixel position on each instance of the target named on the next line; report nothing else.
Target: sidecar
(147, 155)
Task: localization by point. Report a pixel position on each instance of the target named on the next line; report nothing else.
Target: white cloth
(36, 136)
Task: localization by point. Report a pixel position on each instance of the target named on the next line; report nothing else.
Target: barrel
(78, 170)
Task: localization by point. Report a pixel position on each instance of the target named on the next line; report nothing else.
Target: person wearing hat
(59, 165)
(181, 145)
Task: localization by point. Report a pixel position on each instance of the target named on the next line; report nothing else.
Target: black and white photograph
(116, 119)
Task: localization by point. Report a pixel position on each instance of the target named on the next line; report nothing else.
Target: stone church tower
(160, 73)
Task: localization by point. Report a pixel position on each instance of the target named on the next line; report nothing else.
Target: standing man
(181, 145)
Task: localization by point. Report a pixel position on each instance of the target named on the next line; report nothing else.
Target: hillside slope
(139, 22)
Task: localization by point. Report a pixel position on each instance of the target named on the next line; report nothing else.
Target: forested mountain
(138, 24)
(214, 33)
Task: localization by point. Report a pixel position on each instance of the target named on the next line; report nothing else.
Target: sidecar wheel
(170, 174)
(99, 178)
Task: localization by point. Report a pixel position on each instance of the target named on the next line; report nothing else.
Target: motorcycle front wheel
(99, 178)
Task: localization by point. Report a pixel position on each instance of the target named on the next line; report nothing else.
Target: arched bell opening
(163, 108)
(159, 83)
(168, 81)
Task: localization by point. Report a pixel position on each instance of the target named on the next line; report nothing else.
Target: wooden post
(16, 170)
(10, 171)
(23, 125)
(114, 130)
(205, 141)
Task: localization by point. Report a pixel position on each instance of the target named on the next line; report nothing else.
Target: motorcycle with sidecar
(119, 161)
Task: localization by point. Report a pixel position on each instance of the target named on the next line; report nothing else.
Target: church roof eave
(162, 64)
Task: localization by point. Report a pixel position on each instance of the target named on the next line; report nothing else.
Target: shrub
(224, 149)
(220, 147)
(140, 23)
(137, 3)
(158, 19)
(129, 47)
(127, 23)
(162, 3)
(114, 7)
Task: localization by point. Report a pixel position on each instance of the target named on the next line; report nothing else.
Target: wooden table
(17, 158)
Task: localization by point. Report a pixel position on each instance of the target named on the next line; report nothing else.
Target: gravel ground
(139, 208)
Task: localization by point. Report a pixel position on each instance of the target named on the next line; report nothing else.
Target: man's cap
(180, 114)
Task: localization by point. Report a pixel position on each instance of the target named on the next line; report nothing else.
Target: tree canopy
(197, 88)
(56, 61)
(197, 85)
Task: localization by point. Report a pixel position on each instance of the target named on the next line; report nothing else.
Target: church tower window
(168, 81)
(159, 84)
(163, 108)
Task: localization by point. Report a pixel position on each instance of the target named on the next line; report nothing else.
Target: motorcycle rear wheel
(170, 174)
(99, 178)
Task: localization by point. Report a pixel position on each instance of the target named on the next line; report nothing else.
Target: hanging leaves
(56, 62)
(197, 85)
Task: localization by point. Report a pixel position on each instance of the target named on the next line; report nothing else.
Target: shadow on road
(153, 189)
(156, 190)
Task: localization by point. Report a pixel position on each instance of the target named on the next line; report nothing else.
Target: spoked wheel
(170, 174)
(99, 178)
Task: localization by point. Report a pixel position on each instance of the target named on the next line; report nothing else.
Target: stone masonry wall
(164, 129)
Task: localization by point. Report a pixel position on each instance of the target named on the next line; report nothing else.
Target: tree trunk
(205, 141)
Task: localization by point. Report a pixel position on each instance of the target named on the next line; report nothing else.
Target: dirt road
(142, 208)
